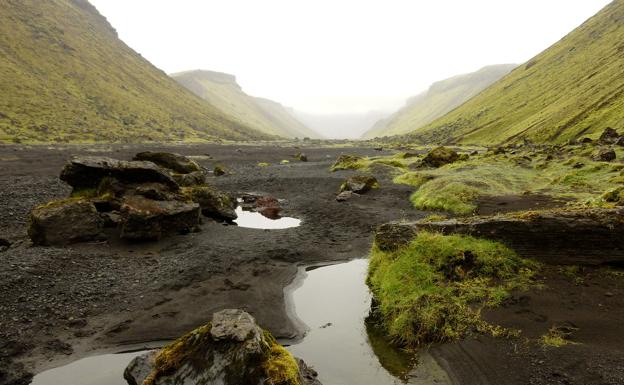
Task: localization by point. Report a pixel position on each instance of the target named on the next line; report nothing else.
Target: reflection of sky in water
(340, 353)
(256, 220)
(106, 369)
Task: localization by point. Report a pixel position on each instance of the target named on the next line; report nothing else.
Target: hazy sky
(341, 55)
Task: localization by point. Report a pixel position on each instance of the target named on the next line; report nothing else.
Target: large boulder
(65, 222)
(176, 162)
(558, 236)
(195, 178)
(87, 172)
(148, 219)
(359, 184)
(231, 350)
(609, 136)
(214, 203)
(440, 156)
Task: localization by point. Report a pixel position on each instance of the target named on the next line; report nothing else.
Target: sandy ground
(59, 304)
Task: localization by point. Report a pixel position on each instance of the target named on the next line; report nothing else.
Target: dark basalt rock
(604, 155)
(147, 219)
(585, 236)
(196, 178)
(88, 171)
(65, 222)
(219, 171)
(176, 162)
(214, 203)
(345, 196)
(609, 136)
(440, 156)
(359, 184)
(232, 350)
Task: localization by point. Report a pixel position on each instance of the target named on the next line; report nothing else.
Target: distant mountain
(65, 76)
(222, 91)
(440, 98)
(340, 126)
(572, 89)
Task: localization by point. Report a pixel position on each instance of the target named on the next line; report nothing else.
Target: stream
(333, 302)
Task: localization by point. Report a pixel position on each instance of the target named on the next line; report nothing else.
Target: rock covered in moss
(359, 184)
(176, 162)
(301, 157)
(219, 171)
(87, 172)
(609, 136)
(65, 222)
(440, 156)
(231, 350)
(214, 203)
(346, 162)
(148, 219)
(196, 178)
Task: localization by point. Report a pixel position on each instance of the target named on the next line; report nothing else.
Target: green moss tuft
(280, 367)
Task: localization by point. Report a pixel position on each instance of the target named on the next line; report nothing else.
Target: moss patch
(280, 367)
(433, 289)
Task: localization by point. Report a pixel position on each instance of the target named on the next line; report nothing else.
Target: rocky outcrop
(582, 236)
(440, 156)
(175, 162)
(231, 350)
(65, 222)
(214, 203)
(139, 199)
(147, 219)
(605, 155)
(88, 171)
(609, 136)
(359, 184)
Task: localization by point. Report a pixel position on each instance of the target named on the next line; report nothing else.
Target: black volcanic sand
(59, 304)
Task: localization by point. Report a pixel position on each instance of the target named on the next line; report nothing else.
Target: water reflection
(256, 220)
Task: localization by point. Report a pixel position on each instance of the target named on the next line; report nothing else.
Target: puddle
(105, 369)
(333, 301)
(254, 220)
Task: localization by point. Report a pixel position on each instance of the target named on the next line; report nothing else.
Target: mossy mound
(432, 290)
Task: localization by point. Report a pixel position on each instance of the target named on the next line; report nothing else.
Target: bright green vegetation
(222, 91)
(574, 88)
(280, 367)
(456, 187)
(395, 163)
(65, 76)
(555, 338)
(433, 289)
(440, 98)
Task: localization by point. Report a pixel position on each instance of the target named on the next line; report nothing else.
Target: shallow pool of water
(334, 301)
(105, 369)
(254, 220)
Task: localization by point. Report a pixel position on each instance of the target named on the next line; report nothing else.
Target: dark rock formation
(346, 195)
(196, 178)
(268, 206)
(218, 171)
(65, 222)
(585, 236)
(440, 156)
(88, 171)
(609, 136)
(214, 203)
(232, 350)
(605, 155)
(359, 184)
(147, 219)
(176, 162)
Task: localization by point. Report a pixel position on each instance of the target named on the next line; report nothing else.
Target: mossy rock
(347, 162)
(359, 184)
(231, 350)
(214, 203)
(176, 162)
(440, 156)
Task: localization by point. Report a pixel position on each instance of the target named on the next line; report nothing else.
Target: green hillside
(65, 76)
(440, 98)
(574, 88)
(222, 91)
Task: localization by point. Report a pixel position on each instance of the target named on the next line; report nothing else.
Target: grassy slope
(572, 89)
(222, 91)
(440, 98)
(66, 77)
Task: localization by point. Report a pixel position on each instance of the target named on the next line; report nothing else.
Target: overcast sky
(341, 55)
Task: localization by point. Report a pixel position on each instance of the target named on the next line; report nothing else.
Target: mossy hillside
(569, 174)
(222, 91)
(433, 289)
(65, 76)
(572, 89)
(440, 98)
